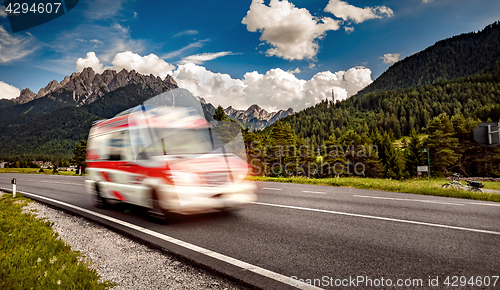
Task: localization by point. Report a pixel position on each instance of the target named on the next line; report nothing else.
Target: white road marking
(58, 182)
(381, 218)
(428, 201)
(271, 188)
(34, 180)
(408, 199)
(224, 258)
(320, 192)
(478, 203)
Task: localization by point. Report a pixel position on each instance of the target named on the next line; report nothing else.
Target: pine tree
(413, 155)
(79, 155)
(219, 114)
(441, 143)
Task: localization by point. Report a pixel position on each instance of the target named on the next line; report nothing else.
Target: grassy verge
(32, 257)
(417, 186)
(35, 171)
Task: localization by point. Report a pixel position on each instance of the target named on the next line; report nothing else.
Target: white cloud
(217, 87)
(348, 29)
(295, 71)
(197, 44)
(186, 32)
(291, 32)
(90, 61)
(14, 47)
(8, 91)
(3, 13)
(390, 58)
(274, 90)
(105, 40)
(121, 28)
(103, 9)
(349, 12)
(149, 64)
(201, 58)
(426, 1)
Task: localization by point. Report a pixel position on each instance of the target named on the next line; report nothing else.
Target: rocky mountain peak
(25, 96)
(256, 116)
(254, 107)
(87, 86)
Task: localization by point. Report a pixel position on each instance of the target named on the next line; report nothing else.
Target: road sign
(487, 134)
(419, 173)
(422, 168)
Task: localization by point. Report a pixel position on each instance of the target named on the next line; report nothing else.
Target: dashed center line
(271, 188)
(58, 182)
(307, 191)
(408, 199)
(478, 203)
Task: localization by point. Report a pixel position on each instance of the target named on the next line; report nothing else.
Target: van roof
(151, 116)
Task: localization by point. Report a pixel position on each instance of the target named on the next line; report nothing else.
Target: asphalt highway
(326, 233)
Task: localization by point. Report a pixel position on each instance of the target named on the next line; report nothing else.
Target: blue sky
(277, 54)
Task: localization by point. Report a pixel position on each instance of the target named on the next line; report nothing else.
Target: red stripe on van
(106, 176)
(118, 195)
(125, 166)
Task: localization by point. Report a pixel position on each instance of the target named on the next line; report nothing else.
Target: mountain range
(253, 118)
(459, 76)
(36, 123)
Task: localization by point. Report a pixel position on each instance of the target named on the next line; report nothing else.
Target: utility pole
(428, 163)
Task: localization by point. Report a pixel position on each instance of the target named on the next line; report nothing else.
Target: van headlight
(185, 178)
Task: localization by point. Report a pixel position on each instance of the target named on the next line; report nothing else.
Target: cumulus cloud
(349, 12)
(14, 47)
(274, 90)
(348, 29)
(8, 91)
(217, 87)
(295, 71)
(3, 13)
(390, 58)
(149, 64)
(291, 32)
(90, 61)
(201, 58)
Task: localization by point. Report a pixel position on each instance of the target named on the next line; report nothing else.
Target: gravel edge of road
(125, 261)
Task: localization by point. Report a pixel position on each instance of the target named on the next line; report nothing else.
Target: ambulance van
(166, 159)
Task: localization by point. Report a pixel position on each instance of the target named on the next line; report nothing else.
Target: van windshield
(174, 141)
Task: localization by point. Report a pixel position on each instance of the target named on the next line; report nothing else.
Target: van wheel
(99, 201)
(155, 212)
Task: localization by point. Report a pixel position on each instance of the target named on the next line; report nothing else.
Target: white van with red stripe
(166, 159)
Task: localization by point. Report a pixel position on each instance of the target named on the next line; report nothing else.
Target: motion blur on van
(165, 156)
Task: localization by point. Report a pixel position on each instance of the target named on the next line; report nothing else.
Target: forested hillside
(446, 112)
(448, 59)
(401, 111)
(49, 137)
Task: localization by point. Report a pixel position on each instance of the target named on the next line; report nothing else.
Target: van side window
(97, 149)
(119, 146)
(115, 145)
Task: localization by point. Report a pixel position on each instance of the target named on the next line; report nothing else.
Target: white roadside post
(13, 187)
